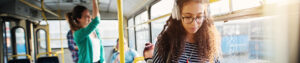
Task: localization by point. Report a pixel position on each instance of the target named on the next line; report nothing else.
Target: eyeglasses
(189, 20)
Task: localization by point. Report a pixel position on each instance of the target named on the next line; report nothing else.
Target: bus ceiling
(58, 8)
(108, 8)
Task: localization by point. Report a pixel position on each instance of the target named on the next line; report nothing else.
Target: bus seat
(27, 60)
(19, 61)
(52, 59)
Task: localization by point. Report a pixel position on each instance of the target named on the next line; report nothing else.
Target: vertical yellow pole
(48, 40)
(121, 33)
(48, 33)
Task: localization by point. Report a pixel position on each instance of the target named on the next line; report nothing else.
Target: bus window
(142, 31)
(58, 34)
(109, 32)
(244, 4)
(8, 40)
(41, 39)
(20, 42)
(219, 7)
(157, 27)
(131, 34)
(159, 9)
(242, 41)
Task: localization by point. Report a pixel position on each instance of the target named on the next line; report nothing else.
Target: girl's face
(85, 19)
(192, 16)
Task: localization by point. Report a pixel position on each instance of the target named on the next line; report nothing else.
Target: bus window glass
(161, 8)
(157, 27)
(219, 7)
(142, 31)
(9, 49)
(244, 4)
(242, 41)
(20, 42)
(131, 35)
(109, 32)
(41, 39)
(58, 34)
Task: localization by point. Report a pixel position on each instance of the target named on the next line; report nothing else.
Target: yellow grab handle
(27, 55)
(138, 59)
(49, 54)
(212, 1)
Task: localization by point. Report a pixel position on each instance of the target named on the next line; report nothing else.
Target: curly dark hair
(172, 37)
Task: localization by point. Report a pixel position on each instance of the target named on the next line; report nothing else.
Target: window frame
(14, 42)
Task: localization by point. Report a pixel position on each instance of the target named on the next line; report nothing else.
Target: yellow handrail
(48, 40)
(160, 17)
(138, 59)
(49, 53)
(38, 8)
(48, 33)
(121, 33)
(212, 1)
(27, 55)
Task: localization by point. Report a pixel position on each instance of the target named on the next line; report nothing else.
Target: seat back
(19, 61)
(52, 59)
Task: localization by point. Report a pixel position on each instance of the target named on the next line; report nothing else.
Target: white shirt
(96, 47)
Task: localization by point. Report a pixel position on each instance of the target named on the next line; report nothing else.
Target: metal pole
(2, 41)
(121, 33)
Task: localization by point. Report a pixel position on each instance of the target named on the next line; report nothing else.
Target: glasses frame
(197, 19)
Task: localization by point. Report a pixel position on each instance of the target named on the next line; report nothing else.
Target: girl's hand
(95, 9)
